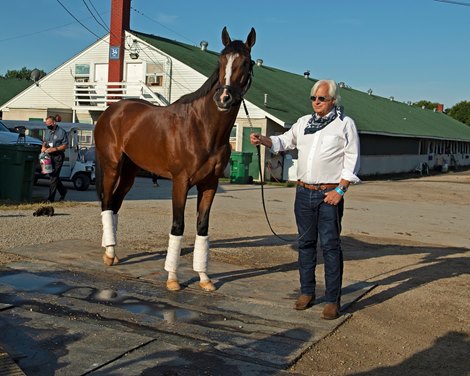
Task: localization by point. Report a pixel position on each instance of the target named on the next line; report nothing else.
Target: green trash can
(17, 165)
(239, 169)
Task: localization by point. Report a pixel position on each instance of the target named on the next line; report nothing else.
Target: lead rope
(261, 178)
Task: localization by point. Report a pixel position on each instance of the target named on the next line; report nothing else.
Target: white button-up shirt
(326, 156)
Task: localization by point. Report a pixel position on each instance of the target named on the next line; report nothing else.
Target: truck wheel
(81, 182)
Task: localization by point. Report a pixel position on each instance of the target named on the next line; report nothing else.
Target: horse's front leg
(115, 188)
(205, 197)
(180, 192)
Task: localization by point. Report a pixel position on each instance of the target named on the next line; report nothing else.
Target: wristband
(340, 192)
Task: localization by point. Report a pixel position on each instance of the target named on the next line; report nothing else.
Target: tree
(460, 112)
(22, 74)
(427, 104)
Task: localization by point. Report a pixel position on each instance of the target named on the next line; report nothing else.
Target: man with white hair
(328, 162)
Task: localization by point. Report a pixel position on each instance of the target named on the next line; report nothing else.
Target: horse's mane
(202, 91)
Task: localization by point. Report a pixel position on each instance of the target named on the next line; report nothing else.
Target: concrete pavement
(63, 313)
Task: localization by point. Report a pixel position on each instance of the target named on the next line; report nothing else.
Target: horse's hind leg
(120, 181)
(205, 197)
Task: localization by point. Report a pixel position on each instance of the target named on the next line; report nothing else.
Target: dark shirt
(55, 138)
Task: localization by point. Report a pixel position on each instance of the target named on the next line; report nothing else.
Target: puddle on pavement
(29, 282)
(35, 283)
(163, 311)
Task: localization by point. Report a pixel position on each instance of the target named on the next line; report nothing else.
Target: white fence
(99, 95)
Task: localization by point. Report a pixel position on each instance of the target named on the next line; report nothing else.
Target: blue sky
(408, 49)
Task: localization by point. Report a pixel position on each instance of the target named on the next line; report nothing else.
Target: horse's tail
(98, 177)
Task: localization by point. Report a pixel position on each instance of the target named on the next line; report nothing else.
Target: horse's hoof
(173, 285)
(207, 285)
(109, 260)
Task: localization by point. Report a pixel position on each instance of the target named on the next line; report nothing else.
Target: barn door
(247, 147)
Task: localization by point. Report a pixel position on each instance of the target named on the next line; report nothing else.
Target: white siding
(55, 90)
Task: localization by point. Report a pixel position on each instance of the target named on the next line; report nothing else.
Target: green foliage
(460, 112)
(427, 104)
(22, 74)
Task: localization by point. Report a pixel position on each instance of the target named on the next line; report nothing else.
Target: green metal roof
(288, 98)
(9, 87)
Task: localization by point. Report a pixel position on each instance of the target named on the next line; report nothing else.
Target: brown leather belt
(316, 187)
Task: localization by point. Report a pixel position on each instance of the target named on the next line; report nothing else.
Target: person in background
(54, 143)
(328, 161)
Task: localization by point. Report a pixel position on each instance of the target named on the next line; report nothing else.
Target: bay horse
(186, 141)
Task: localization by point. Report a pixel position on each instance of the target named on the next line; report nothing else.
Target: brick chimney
(120, 22)
(440, 107)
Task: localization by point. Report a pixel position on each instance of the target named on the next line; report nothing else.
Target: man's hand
(332, 198)
(258, 139)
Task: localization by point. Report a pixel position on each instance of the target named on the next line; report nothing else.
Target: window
(82, 72)
(154, 75)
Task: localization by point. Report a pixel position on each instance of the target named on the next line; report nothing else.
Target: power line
(453, 2)
(91, 3)
(36, 32)
(100, 38)
(158, 23)
(98, 22)
(76, 19)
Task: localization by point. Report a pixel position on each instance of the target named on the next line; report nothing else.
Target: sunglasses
(321, 99)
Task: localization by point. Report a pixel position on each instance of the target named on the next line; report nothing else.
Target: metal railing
(99, 95)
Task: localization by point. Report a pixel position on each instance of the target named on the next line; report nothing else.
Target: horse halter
(236, 93)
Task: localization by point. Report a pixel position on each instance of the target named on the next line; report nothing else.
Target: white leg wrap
(110, 252)
(201, 254)
(173, 254)
(109, 231)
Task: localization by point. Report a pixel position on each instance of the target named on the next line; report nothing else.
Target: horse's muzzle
(224, 98)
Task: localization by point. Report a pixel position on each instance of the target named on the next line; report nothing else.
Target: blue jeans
(316, 218)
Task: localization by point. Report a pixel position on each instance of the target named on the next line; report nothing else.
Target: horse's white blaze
(228, 68)
(228, 73)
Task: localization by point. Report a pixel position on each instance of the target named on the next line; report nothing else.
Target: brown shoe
(304, 302)
(330, 311)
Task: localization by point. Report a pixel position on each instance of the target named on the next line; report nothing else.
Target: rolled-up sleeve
(286, 141)
(351, 164)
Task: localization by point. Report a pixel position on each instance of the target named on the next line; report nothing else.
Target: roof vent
(369, 91)
(265, 99)
(307, 74)
(259, 62)
(35, 76)
(203, 45)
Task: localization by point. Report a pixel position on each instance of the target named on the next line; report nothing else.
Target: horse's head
(235, 70)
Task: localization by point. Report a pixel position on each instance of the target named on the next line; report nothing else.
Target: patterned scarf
(317, 123)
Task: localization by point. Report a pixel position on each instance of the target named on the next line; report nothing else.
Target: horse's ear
(225, 37)
(250, 41)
